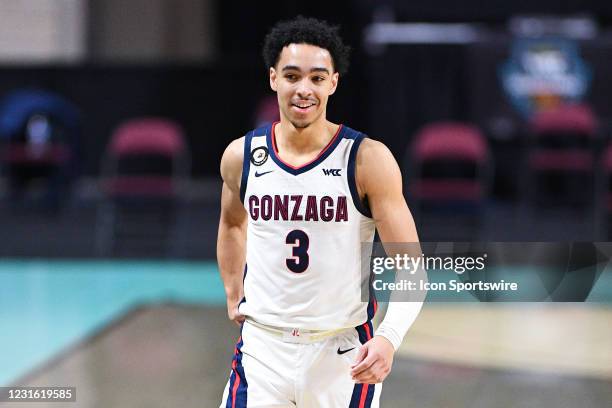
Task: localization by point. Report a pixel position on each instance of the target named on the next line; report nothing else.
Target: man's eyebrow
(319, 69)
(296, 68)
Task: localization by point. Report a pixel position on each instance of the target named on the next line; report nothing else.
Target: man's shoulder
(231, 161)
(368, 144)
(371, 150)
(234, 150)
(351, 133)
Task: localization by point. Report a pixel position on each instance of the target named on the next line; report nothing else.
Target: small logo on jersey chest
(263, 173)
(332, 172)
(259, 155)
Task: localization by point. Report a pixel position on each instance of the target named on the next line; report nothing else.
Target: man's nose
(303, 89)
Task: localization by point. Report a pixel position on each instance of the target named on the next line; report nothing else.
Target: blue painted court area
(46, 306)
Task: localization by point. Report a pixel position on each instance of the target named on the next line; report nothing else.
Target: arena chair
(145, 166)
(560, 150)
(40, 133)
(450, 177)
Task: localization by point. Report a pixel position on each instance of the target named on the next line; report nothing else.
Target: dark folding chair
(144, 167)
(561, 156)
(451, 173)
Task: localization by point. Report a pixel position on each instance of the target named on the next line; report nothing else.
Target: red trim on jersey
(305, 164)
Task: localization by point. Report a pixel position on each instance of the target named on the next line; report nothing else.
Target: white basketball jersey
(305, 229)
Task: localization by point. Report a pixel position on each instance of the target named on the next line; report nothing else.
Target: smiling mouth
(303, 105)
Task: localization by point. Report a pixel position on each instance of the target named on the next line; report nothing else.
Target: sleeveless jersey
(305, 229)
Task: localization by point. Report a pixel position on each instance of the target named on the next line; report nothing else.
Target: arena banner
(543, 73)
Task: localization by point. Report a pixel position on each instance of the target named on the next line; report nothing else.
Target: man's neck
(298, 141)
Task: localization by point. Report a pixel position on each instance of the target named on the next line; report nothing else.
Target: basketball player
(299, 197)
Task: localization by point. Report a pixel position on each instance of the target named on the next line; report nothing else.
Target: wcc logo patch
(259, 155)
(332, 172)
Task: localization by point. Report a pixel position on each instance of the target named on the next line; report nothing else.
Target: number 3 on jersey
(298, 239)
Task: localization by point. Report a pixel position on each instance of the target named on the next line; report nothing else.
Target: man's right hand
(233, 313)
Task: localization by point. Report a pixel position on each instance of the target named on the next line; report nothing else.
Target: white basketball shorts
(275, 369)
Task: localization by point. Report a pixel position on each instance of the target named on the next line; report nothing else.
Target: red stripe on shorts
(367, 329)
(237, 381)
(364, 394)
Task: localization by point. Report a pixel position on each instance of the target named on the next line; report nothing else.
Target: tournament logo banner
(544, 73)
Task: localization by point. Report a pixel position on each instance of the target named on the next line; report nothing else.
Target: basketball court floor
(155, 334)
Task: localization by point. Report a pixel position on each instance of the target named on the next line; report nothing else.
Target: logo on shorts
(345, 351)
(259, 155)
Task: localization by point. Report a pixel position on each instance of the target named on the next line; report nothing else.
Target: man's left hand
(373, 362)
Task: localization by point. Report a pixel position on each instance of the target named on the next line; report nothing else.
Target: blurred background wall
(198, 63)
(114, 116)
(152, 31)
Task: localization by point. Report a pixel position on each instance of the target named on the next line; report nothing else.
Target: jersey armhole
(362, 206)
(246, 164)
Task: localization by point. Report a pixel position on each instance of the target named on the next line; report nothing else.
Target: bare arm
(379, 178)
(393, 219)
(231, 240)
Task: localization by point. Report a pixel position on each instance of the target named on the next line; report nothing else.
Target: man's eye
(318, 79)
(291, 77)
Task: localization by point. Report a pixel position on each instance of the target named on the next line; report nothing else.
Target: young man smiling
(299, 198)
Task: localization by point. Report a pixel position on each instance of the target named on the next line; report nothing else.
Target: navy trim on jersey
(308, 166)
(246, 164)
(362, 207)
(243, 300)
(373, 302)
(246, 160)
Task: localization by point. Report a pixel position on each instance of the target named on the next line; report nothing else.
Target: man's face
(303, 79)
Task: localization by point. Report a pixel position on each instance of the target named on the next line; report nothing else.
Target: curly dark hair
(303, 30)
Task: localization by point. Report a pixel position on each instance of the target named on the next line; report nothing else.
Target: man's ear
(334, 80)
(273, 79)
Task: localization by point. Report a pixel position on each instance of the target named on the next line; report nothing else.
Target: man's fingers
(239, 319)
(235, 316)
(363, 351)
(367, 377)
(364, 365)
(374, 374)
